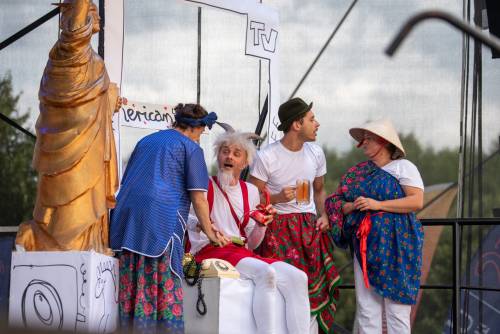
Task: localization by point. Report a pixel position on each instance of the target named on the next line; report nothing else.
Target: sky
(354, 81)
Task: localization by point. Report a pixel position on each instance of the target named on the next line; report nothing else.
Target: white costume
(290, 281)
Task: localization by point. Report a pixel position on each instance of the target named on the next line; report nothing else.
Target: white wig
(243, 140)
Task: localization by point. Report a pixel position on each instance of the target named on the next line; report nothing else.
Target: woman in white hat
(373, 212)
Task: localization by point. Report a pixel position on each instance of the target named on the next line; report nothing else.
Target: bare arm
(256, 236)
(413, 201)
(319, 194)
(286, 194)
(322, 222)
(200, 205)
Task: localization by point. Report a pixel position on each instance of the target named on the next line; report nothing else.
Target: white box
(229, 308)
(70, 291)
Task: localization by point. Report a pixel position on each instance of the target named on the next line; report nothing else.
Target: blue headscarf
(208, 120)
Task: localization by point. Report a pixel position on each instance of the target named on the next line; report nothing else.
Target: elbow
(419, 205)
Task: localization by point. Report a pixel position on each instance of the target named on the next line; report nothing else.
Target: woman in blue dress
(165, 174)
(373, 212)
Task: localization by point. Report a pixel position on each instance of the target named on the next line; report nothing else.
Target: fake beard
(225, 179)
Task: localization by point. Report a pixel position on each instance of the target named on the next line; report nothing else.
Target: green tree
(17, 178)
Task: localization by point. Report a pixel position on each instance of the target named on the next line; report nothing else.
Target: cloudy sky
(354, 81)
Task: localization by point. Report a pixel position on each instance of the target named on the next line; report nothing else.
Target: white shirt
(279, 167)
(223, 219)
(405, 172)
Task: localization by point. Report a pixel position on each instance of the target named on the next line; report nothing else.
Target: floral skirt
(294, 239)
(150, 295)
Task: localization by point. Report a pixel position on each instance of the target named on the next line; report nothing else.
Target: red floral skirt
(293, 238)
(150, 295)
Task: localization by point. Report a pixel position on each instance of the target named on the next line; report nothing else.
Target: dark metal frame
(457, 224)
(456, 287)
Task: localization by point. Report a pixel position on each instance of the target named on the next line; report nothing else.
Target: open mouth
(228, 165)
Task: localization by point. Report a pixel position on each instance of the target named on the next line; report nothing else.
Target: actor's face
(232, 158)
(372, 144)
(309, 127)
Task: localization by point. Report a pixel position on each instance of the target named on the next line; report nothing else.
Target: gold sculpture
(75, 153)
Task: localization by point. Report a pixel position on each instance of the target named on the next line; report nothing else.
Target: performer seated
(231, 202)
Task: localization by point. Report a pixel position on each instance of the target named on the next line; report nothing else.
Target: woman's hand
(217, 237)
(348, 207)
(363, 204)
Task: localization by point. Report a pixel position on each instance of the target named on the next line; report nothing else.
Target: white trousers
(290, 281)
(370, 306)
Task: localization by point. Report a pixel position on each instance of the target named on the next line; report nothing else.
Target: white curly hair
(242, 139)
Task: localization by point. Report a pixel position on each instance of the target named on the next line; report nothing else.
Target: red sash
(246, 205)
(362, 234)
(210, 198)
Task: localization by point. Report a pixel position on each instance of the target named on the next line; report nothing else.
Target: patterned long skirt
(294, 239)
(150, 295)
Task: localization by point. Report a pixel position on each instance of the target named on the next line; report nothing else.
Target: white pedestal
(70, 291)
(229, 308)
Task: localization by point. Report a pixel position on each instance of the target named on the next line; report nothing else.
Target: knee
(299, 278)
(295, 278)
(266, 276)
(297, 275)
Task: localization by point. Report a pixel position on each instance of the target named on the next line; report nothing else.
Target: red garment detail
(259, 214)
(246, 206)
(362, 234)
(210, 196)
(231, 253)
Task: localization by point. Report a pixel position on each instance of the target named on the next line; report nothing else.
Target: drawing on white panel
(48, 301)
(41, 304)
(106, 287)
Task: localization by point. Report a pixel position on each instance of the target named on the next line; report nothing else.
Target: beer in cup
(303, 192)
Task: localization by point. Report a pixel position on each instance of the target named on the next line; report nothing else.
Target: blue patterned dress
(148, 225)
(394, 244)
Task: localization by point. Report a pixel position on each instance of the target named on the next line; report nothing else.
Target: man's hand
(323, 224)
(286, 195)
(271, 212)
(363, 204)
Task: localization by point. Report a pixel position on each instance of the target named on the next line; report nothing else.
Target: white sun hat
(384, 129)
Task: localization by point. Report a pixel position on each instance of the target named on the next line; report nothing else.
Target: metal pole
(14, 124)
(492, 42)
(102, 24)
(30, 27)
(323, 49)
(198, 66)
(456, 279)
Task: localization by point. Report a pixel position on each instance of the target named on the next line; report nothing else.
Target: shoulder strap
(210, 195)
(241, 225)
(246, 204)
